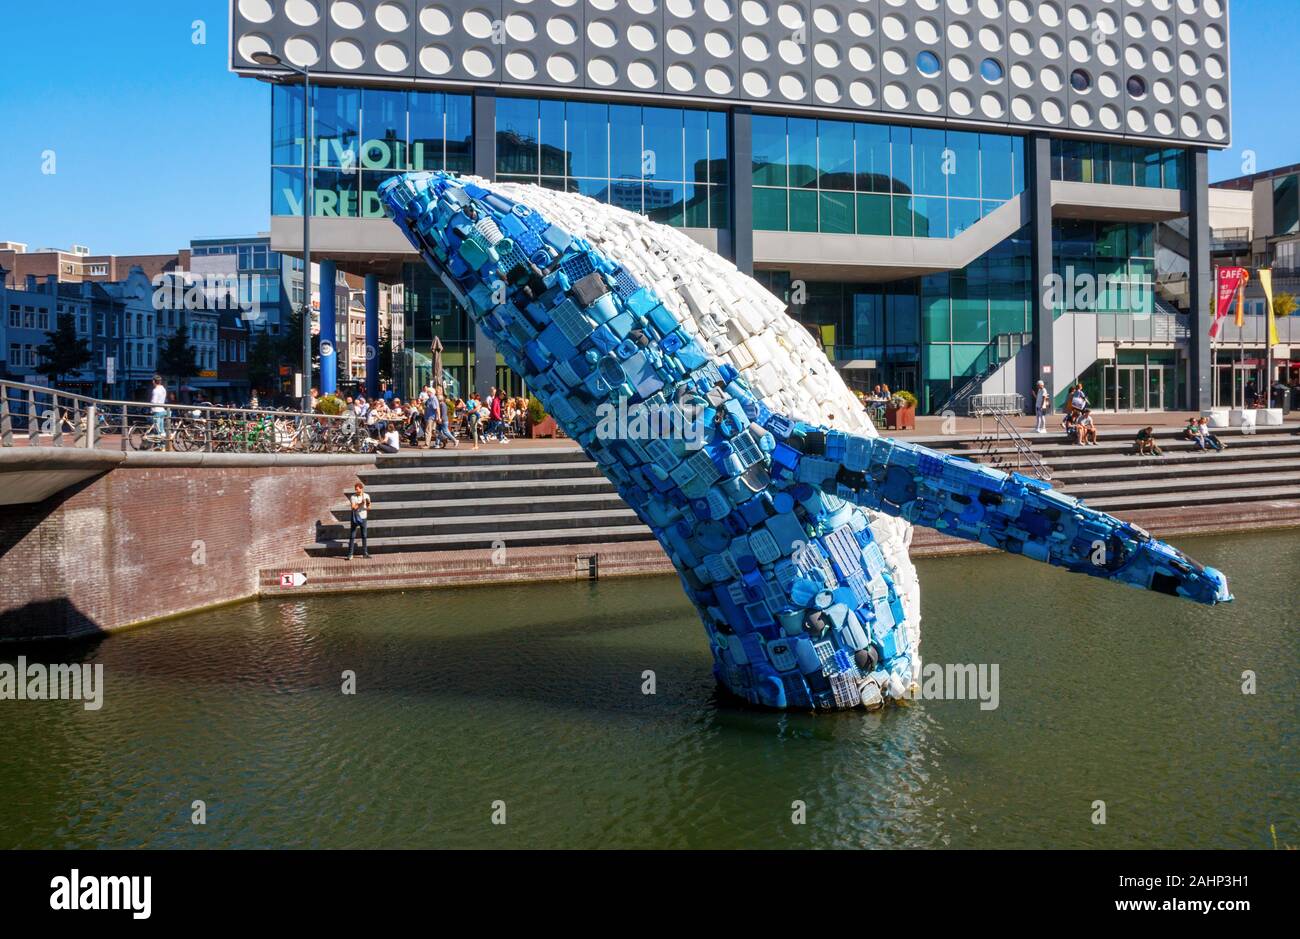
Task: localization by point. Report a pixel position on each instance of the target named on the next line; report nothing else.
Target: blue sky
(156, 142)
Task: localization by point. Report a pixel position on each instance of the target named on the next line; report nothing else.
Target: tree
(264, 362)
(62, 352)
(176, 358)
(1284, 304)
(384, 357)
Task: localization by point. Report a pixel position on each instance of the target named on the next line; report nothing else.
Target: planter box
(1218, 417)
(1269, 417)
(900, 418)
(546, 427)
(1242, 417)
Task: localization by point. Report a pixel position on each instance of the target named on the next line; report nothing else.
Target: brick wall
(145, 541)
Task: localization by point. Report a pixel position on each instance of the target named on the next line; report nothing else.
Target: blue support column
(372, 336)
(328, 354)
(1200, 389)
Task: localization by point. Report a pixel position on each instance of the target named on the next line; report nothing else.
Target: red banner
(1229, 281)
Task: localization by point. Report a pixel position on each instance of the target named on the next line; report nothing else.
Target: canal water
(527, 702)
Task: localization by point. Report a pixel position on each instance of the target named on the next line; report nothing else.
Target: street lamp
(271, 60)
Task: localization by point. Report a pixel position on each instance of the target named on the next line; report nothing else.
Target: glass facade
(842, 177)
(360, 137)
(667, 163)
(1104, 267)
(1086, 161)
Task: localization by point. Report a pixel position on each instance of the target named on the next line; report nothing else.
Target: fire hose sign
(294, 579)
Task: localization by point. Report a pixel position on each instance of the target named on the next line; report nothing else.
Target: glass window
(1286, 205)
(803, 210)
(718, 148)
(663, 144)
(962, 164)
(996, 169)
(1148, 172)
(929, 161)
(871, 142)
(803, 152)
(1121, 165)
(719, 208)
(1173, 168)
(427, 128)
(835, 156)
(383, 129)
(335, 193)
(769, 151)
(286, 190)
(873, 214)
(696, 135)
(597, 189)
(338, 122)
(286, 125)
(460, 133)
(837, 212)
(931, 213)
(587, 126)
(664, 203)
(625, 150)
(962, 214)
(517, 131)
(554, 156)
(903, 216)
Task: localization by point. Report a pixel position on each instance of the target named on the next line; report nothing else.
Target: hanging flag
(1241, 298)
(1228, 281)
(1266, 281)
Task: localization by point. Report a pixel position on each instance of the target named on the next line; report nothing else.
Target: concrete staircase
(553, 495)
(453, 500)
(1253, 467)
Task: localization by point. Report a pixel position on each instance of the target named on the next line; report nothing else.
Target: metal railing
(1024, 455)
(50, 417)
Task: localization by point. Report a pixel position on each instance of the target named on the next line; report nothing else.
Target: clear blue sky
(156, 142)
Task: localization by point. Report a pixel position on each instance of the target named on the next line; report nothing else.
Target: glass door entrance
(1137, 388)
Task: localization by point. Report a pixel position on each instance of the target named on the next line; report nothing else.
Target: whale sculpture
(726, 428)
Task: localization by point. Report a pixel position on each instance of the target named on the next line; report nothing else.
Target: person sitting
(392, 440)
(1070, 424)
(1204, 439)
(1078, 402)
(1087, 430)
(1191, 430)
(1146, 443)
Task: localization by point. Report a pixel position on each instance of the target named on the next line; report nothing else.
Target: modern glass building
(956, 197)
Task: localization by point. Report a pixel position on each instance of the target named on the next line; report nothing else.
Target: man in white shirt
(158, 396)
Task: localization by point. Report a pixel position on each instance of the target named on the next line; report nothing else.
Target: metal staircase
(1024, 457)
(1003, 346)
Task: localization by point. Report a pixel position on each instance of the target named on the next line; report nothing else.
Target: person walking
(1042, 406)
(445, 436)
(473, 417)
(158, 398)
(360, 504)
(430, 420)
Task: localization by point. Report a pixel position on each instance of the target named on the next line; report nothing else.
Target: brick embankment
(156, 535)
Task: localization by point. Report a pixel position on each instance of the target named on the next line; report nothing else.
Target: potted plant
(540, 424)
(900, 412)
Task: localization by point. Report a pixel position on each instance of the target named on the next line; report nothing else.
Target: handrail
(1025, 455)
(58, 414)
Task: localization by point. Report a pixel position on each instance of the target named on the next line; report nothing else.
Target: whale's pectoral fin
(1014, 513)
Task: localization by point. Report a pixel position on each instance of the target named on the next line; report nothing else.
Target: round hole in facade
(1080, 80)
(1137, 87)
(991, 70)
(927, 63)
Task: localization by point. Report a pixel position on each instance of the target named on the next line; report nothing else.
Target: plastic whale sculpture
(725, 427)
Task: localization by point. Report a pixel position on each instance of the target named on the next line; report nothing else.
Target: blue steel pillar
(328, 354)
(372, 336)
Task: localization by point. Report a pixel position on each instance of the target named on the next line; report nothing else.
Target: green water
(532, 695)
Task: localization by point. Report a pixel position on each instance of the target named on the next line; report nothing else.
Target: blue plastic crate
(577, 266)
(843, 548)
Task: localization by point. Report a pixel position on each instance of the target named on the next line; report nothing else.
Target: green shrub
(536, 413)
(904, 399)
(330, 404)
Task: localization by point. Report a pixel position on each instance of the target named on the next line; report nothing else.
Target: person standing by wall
(1042, 406)
(360, 503)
